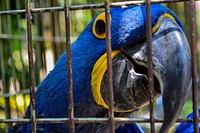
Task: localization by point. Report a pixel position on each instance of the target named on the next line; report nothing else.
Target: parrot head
(171, 60)
(171, 70)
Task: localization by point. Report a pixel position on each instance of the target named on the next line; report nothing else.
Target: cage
(35, 33)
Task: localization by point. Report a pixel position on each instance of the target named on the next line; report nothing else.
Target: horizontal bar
(86, 6)
(90, 120)
(35, 38)
(25, 91)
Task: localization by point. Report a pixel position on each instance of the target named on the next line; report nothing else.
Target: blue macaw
(171, 69)
(187, 127)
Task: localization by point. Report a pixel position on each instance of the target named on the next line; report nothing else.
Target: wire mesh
(37, 59)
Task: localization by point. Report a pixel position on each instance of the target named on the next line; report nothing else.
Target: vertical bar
(194, 63)
(109, 63)
(69, 68)
(150, 67)
(31, 69)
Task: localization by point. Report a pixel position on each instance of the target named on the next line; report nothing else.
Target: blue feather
(187, 127)
(129, 128)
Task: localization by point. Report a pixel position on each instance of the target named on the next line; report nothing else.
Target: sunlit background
(48, 32)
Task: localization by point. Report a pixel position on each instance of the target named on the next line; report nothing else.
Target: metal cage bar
(194, 64)
(91, 120)
(31, 69)
(111, 120)
(150, 66)
(109, 64)
(69, 68)
(34, 38)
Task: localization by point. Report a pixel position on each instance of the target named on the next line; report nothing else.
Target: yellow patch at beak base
(98, 72)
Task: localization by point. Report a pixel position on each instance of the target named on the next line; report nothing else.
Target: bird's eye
(98, 28)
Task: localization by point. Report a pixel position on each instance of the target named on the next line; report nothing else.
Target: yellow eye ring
(98, 28)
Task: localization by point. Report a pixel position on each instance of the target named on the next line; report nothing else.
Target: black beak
(171, 69)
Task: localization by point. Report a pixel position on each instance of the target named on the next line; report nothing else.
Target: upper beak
(171, 69)
(171, 48)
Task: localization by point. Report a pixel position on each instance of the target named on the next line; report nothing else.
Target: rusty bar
(91, 120)
(109, 64)
(31, 69)
(24, 91)
(86, 6)
(150, 67)
(194, 64)
(69, 68)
